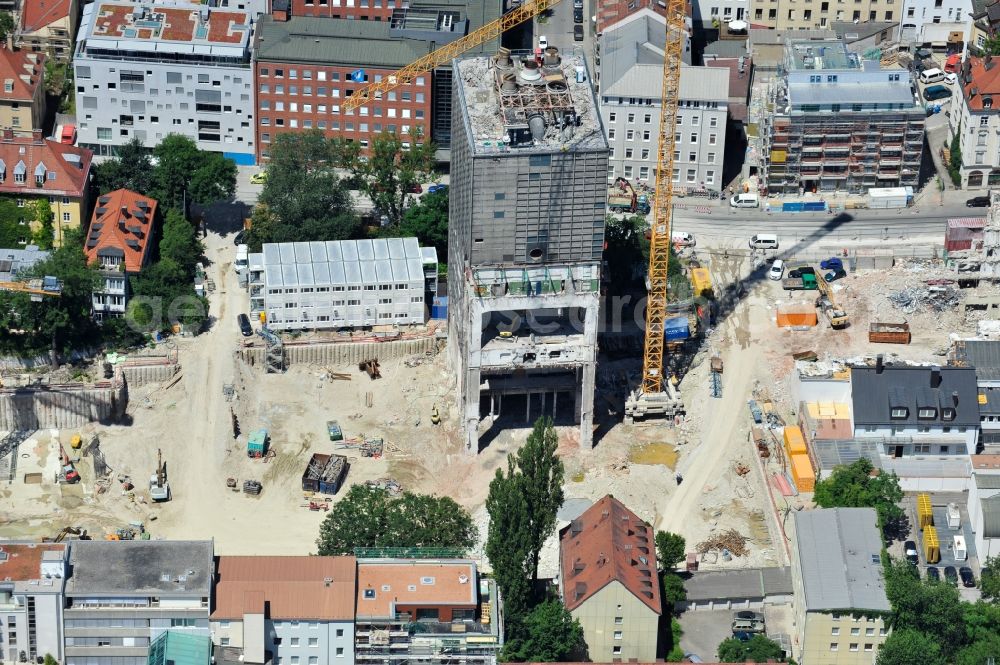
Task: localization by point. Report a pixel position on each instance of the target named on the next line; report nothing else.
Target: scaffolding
(274, 353)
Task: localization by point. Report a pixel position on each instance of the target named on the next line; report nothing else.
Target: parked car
(417, 189)
(968, 579)
(935, 92)
(832, 263)
(259, 178)
(747, 615)
(910, 552)
(543, 42)
(241, 238)
(933, 573)
(950, 576)
(951, 79)
(245, 326)
(798, 271)
(437, 188)
(777, 269)
(577, 33)
(743, 636)
(577, 16)
(835, 275)
(978, 202)
(692, 657)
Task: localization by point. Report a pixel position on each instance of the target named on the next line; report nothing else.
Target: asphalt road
(558, 27)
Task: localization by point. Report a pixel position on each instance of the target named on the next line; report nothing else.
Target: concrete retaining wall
(140, 375)
(60, 407)
(343, 353)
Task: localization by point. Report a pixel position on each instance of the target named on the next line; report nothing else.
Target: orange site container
(802, 314)
(795, 444)
(802, 472)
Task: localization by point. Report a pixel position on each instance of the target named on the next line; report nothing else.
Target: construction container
(961, 552)
(795, 443)
(889, 333)
(324, 473)
(802, 472)
(333, 431)
(954, 516)
(925, 516)
(676, 329)
(701, 280)
(797, 314)
(439, 307)
(932, 546)
(257, 443)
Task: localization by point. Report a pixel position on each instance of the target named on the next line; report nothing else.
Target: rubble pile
(936, 298)
(730, 540)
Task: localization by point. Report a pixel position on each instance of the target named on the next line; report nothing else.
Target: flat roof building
(345, 283)
(527, 205)
(16, 262)
(147, 70)
(32, 578)
(840, 123)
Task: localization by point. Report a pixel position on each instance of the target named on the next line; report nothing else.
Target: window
(710, 177)
(103, 133)
(835, 631)
(619, 621)
(630, 135)
(692, 175)
(224, 641)
(628, 153)
(645, 136)
(694, 138)
(855, 631)
(294, 642)
(611, 133)
(66, 217)
(340, 652)
(369, 593)
(647, 118)
(631, 117)
(712, 139)
(313, 660)
(868, 646)
(628, 171)
(926, 413)
(616, 650)
(612, 116)
(869, 632)
(834, 646)
(314, 641)
(340, 632)
(692, 157)
(947, 413)
(898, 412)
(854, 646)
(711, 158)
(643, 173)
(645, 153)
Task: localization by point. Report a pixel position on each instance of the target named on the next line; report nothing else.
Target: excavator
(657, 395)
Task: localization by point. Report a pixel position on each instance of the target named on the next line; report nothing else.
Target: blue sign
(358, 76)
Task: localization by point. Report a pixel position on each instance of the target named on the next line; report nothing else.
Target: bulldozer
(159, 488)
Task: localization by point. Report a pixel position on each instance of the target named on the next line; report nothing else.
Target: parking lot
(946, 538)
(705, 629)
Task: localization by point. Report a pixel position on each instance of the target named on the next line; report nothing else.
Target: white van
(745, 200)
(682, 238)
(931, 75)
(764, 241)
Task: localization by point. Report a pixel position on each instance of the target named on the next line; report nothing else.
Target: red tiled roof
(984, 78)
(24, 561)
(39, 13)
(292, 587)
(608, 543)
(177, 25)
(17, 64)
(128, 230)
(985, 461)
(392, 583)
(69, 164)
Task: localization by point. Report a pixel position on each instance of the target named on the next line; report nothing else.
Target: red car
(417, 189)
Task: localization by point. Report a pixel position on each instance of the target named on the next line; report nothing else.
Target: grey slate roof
(632, 64)
(725, 48)
(335, 42)
(343, 262)
(852, 93)
(140, 567)
(853, 32)
(14, 261)
(987, 481)
(873, 394)
(983, 354)
(991, 516)
(736, 584)
(838, 550)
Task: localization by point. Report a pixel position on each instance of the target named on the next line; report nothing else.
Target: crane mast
(656, 394)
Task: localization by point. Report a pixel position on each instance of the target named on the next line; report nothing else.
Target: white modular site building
(343, 284)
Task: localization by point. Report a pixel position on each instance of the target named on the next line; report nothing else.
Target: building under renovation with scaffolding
(837, 122)
(526, 234)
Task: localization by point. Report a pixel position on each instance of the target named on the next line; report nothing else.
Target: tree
(908, 646)
(180, 243)
(303, 199)
(986, 650)
(371, 517)
(989, 582)
(758, 649)
(955, 157)
(982, 621)
(49, 660)
(991, 46)
(43, 217)
(931, 608)
(427, 221)
(185, 173)
(391, 170)
(7, 25)
(550, 635)
(12, 231)
(131, 169)
(673, 588)
(671, 549)
(627, 250)
(854, 486)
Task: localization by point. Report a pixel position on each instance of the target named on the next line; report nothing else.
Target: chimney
(36, 137)
(10, 41)
(954, 397)
(935, 377)
(879, 366)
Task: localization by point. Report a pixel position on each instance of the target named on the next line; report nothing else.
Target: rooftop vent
(427, 581)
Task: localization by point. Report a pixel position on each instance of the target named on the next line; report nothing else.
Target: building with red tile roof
(120, 240)
(609, 581)
(49, 26)
(283, 608)
(32, 581)
(977, 102)
(22, 95)
(34, 167)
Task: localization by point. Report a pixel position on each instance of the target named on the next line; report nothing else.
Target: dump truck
(622, 197)
(257, 443)
(804, 282)
(159, 488)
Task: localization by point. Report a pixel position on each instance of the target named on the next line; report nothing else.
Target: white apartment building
(630, 89)
(147, 70)
(933, 22)
(976, 113)
(343, 284)
(32, 577)
(706, 12)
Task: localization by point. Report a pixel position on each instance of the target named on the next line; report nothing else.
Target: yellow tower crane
(527, 11)
(36, 288)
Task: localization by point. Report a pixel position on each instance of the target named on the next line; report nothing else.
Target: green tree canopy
(673, 588)
(908, 646)
(12, 230)
(758, 649)
(7, 25)
(854, 486)
(180, 243)
(981, 651)
(303, 199)
(932, 608)
(182, 170)
(989, 582)
(427, 221)
(371, 517)
(43, 235)
(389, 172)
(671, 549)
(131, 169)
(550, 635)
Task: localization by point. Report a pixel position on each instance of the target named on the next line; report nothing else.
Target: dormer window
(20, 173)
(925, 413)
(899, 412)
(947, 414)
(40, 175)
(8, 85)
